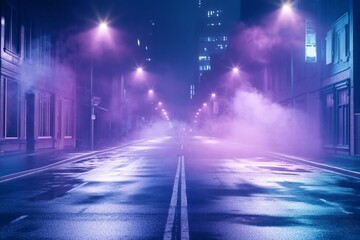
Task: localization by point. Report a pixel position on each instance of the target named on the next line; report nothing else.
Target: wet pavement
(180, 188)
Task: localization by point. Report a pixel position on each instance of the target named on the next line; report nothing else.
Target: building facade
(37, 94)
(319, 77)
(216, 19)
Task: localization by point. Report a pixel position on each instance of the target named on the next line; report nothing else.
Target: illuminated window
(310, 41)
(212, 13)
(192, 91)
(138, 42)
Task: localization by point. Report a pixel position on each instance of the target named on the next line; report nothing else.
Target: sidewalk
(11, 163)
(15, 164)
(345, 165)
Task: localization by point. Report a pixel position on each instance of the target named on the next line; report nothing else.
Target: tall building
(216, 19)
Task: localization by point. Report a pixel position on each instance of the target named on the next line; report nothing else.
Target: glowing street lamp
(139, 69)
(286, 8)
(213, 95)
(235, 70)
(103, 27)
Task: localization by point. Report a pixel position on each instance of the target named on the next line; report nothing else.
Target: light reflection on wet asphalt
(232, 193)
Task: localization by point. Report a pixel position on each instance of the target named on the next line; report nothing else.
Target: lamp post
(287, 9)
(92, 117)
(94, 101)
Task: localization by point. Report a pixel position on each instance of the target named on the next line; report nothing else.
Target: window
(204, 58)
(44, 115)
(11, 110)
(68, 118)
(338, 41)
(336, 117)
(310, 41)
(45, 49)
(192, 91)
(214, 13)
(12, 29)
(343, 117)
(328, 118)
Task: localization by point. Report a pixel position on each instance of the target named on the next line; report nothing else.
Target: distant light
(287, 8)
(160, 103)
(138, 42)
(213, 95)
(235, 70)
(204, 104)
(151, 91)
(2, 21)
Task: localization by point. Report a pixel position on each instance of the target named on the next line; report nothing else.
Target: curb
(13, 176)
(322, 166)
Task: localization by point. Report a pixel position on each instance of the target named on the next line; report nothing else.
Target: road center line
(184, 212)
(184, 228)
(172, 208)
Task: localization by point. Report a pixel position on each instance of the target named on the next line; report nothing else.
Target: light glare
(286, 8)
(103, 26)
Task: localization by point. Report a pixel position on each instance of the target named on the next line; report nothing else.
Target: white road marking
(172, 208)
(180, 176)
(184, 212)
(325, 167)
(336, 205)
(18, 219)
(76, 158)
(78, 186)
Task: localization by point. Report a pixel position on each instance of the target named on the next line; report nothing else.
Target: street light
(235, 70)
(139, 69)
(287, 9)
(103, 26)
(94, 101)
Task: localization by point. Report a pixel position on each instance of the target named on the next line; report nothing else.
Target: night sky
(175, 36)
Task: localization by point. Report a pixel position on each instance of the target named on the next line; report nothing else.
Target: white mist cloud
(259, 122)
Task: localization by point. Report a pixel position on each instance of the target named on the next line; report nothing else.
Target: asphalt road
(181, 188)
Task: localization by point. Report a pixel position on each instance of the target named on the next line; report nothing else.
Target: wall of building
(324, 89)
(37, 95)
